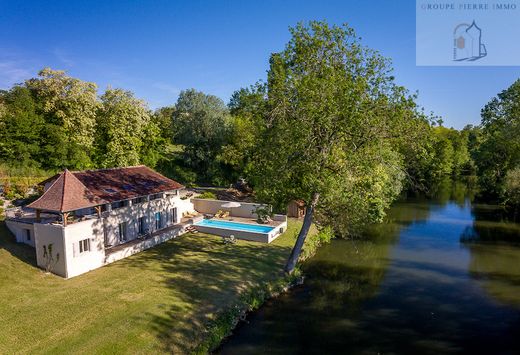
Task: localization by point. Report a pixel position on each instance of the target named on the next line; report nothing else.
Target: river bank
(439, 276)
(167, 299)
(225, 322)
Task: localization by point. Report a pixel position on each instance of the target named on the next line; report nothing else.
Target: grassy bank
(157, 301)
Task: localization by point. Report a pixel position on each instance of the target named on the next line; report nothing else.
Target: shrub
(207, 195)
(22, 188)
(313, 242)
(7, 189)
(263, 214)
(512, 187)
(184, 175)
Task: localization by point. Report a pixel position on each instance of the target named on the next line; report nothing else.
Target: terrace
(29, 216)
(148, 240)
(238, 220)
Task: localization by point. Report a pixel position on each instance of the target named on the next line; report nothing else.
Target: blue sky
(157, 48)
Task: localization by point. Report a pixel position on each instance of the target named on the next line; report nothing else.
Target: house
(86, 219)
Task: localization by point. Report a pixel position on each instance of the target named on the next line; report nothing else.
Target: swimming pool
(245, 227)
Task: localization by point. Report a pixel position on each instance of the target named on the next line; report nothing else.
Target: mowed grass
(156, 301)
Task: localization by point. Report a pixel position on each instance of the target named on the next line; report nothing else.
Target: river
(440, 276)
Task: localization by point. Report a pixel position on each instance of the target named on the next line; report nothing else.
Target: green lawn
(154, 301)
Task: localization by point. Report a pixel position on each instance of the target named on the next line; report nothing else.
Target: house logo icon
(467, 43)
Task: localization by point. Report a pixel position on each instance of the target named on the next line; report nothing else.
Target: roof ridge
(82, 190)
(53, 183)
(108, 169)
(65, 173)
(63, 188)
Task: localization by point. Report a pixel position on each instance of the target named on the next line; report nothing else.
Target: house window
(158, 220)
(28, 235)
(156, 196)
(119, 204)
(138, 200)
(141, 224)
(122, 232)
(173, 215)
(84, 245)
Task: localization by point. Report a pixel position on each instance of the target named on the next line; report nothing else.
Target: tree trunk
(307, 222)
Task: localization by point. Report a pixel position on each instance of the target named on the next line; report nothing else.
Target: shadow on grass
(20, 251)
(204, 276)
(195, 275)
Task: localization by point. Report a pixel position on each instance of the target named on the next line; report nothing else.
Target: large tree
(499, 147)
(333, 116)
(21, 127)
(201, 125)
(163, 118)
(123, 122)
(70, 107)
(247, 106)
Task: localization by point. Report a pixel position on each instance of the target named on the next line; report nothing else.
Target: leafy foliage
(69, 106)
(208, 195)
(498, 149)
(332, 115)
(201, 125)
(512, 187)
(55, 121)
(122, 124)
(21, 126)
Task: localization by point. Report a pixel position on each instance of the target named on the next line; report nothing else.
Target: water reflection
(409, 286)
(497, 269)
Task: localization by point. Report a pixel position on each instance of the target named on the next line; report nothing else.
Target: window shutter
(74, 250)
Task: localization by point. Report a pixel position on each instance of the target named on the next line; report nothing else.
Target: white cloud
(170, 89)
(63, 57)
(12, 72)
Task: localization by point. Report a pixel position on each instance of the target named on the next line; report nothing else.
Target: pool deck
(279, 224)
(248, 221)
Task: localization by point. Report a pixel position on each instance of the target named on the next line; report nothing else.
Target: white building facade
(77, 225)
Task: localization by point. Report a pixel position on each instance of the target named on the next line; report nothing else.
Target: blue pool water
(234, 226)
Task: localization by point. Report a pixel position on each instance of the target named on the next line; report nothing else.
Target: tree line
(328, 125)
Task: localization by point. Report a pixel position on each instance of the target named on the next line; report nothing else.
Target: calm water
(440, 276)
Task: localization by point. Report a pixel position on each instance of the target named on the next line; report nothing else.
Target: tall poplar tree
(333, 116)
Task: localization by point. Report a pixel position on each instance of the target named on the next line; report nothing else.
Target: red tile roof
(66, 194)
(82, 189)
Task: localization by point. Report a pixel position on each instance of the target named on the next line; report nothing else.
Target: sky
(158, 48)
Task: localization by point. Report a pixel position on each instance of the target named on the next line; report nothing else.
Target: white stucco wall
(252, 236)
(19, 230)
(65, 240)
(246, 210)
(143, 245)
(132, 213)
(51, 234)
(79, 263)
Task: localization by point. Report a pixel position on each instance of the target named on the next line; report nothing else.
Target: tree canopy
(201, 123)
(498, 148)
(55, 121)
(122, 121)
(329, 126)
(333, 116)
